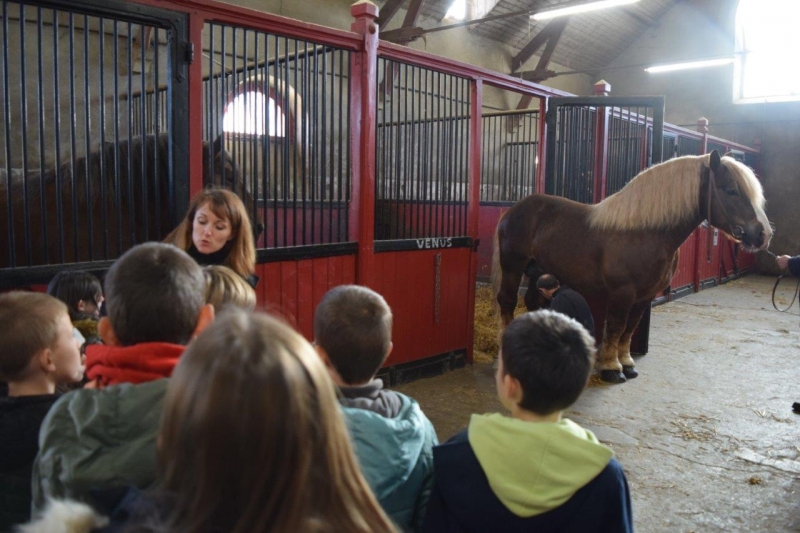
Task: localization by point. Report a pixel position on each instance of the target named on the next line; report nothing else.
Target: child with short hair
(83, 294)
(38, 350)
(393, 438)
(156, 305)
(224, 288)
(533, 471)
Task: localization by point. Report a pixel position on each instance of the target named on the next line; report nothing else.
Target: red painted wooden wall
(408, 282)
(294, 288)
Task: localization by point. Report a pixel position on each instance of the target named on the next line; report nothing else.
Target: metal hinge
(189, 53)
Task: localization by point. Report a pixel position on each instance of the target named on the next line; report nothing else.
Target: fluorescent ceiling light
(581, 8)
(689, 64)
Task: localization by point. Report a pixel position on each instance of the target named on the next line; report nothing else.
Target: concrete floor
(706, 433)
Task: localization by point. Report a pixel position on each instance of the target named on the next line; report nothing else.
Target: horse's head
(737, 202)
(225, 170)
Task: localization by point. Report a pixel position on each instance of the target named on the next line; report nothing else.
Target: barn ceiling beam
(548, 38)
(550, 35)
(639, 17)
(388, 11)
(414, 8)
(537, 75)
(412, 33)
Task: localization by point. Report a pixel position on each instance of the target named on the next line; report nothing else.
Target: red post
(601, 88)
(195, 108)
(476, 150)
(702, 127)
(362, 121)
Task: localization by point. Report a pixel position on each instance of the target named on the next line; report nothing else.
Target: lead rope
(775, 288)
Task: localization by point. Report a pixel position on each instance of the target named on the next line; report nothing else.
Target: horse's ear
(715, 162)
(216, 146)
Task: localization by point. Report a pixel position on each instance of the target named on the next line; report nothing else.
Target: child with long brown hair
(283, 462)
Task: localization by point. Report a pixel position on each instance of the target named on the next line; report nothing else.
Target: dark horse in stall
(624, 249)
(74, 214)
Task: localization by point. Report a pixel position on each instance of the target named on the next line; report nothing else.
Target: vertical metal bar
(419, 156)
(223, 101)
(7, 146)
(104, 207)
(381, 148)
(424, 138)
(310, 84)
(73, 142)
(117, 189)
(497, 139)
(257, 138)
(450, 140)
(277, 177)
(143, 134)
(323, 163)
(57, 132)
(402, 167)
(242, 92)
(24, 122)
(87, 156)
(331, 156)
(430, 151)
(266, 140)
(294, 159)
(466, 105)
(287, 133)
(131, 212)
(42, 178)
(435, 155)
(157, 136)
(211, 101)
(340, 156)
(413, 203)
(348, 166)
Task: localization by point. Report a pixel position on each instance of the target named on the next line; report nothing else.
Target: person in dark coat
(38, 352)
(792, 264)
(534, 470)
(565, 300)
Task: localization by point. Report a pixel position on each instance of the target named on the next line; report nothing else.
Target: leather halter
(738, 231)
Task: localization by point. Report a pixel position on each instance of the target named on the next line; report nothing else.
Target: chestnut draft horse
(624, 249)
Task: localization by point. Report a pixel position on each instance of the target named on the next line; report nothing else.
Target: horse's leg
(534, 299)
(507, 296)
(624, 349)
(616, 321)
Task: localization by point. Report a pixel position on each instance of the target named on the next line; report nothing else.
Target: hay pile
(487, 329)
(487, 324)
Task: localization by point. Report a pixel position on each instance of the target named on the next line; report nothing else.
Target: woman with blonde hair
(217, 231)
(225, 288)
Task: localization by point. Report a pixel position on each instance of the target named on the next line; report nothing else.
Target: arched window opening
(253, 113)
(767, 48)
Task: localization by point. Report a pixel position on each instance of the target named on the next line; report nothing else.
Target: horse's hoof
(612, 376)
(630, 371)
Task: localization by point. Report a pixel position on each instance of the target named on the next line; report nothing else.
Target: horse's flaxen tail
(497, 271)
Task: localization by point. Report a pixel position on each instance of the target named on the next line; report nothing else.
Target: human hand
(783, 261)
(94, 384)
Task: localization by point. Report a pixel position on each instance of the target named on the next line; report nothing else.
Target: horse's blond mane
(666, 195)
